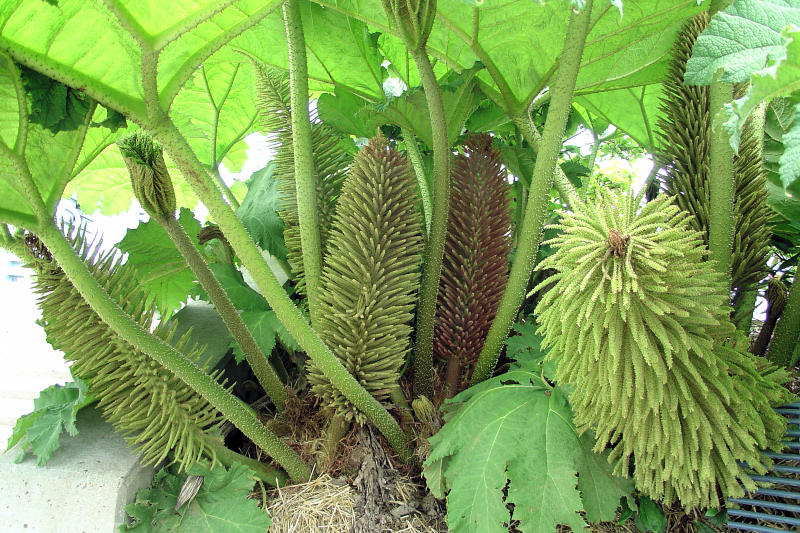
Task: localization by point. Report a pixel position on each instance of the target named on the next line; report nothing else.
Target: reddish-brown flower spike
(476, 256)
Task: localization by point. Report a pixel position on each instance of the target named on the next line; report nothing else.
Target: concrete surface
(28, 363)
(84, 488)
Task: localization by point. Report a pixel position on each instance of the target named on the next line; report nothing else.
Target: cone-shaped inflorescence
(637, 321)
(149, 176)
(155, 411)
(476, 258)
(685, 136)
(371, 275)
(331, 162)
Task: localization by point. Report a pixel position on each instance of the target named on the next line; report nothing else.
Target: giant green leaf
(781, 78)
(786, 223)
(741, 39)
(160, 268)
(259, 212)
(220, 505)
(241, 295)
(340, 50)
(347, 113)
(126, 38)
(48, 155)
(216, 110)
(266, 330)
(520, 41)
(514, 433)
(633, 110)
(54, 411)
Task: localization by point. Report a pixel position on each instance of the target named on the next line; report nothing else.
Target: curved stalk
(194, 172)
(434, 251)
(255, 357)
(419, 170)
(337, 428)
(10, 242)
(787, 331)
(233, 409)
(271, 476)
(564, 188)
(539, 195)
(303, 154)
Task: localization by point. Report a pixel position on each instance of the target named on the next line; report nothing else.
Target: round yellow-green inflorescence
(155, 411)
(637, 321)
(331, 162)
(370, 277)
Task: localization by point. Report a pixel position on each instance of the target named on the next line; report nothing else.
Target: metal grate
(776, 508)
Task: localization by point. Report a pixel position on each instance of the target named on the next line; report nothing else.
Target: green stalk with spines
(539, 195)
(787, 331)
(532, 136)
(414, 20)
(290, 316)
(371, 275)
(10, 242)
(303, 154)
(153, 188)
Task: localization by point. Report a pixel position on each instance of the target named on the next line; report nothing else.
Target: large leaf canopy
(519, 43)
(52, 37)
(515, 43)
(48, 156)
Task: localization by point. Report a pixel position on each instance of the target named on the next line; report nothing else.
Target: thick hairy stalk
(476, 257)
(253, 354)
(272, 476)
(303, 154)
(721, 183)
(289, 315)
(371, 275)
(787, 331)
(419, 170)
(532, 136)
(685, 153)
(130, 381)
(330, 160)
(638, 323)
(777, 294)
(414, 19)
(153, 188)
(12, 243)
(539, 195)
(434, 249)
